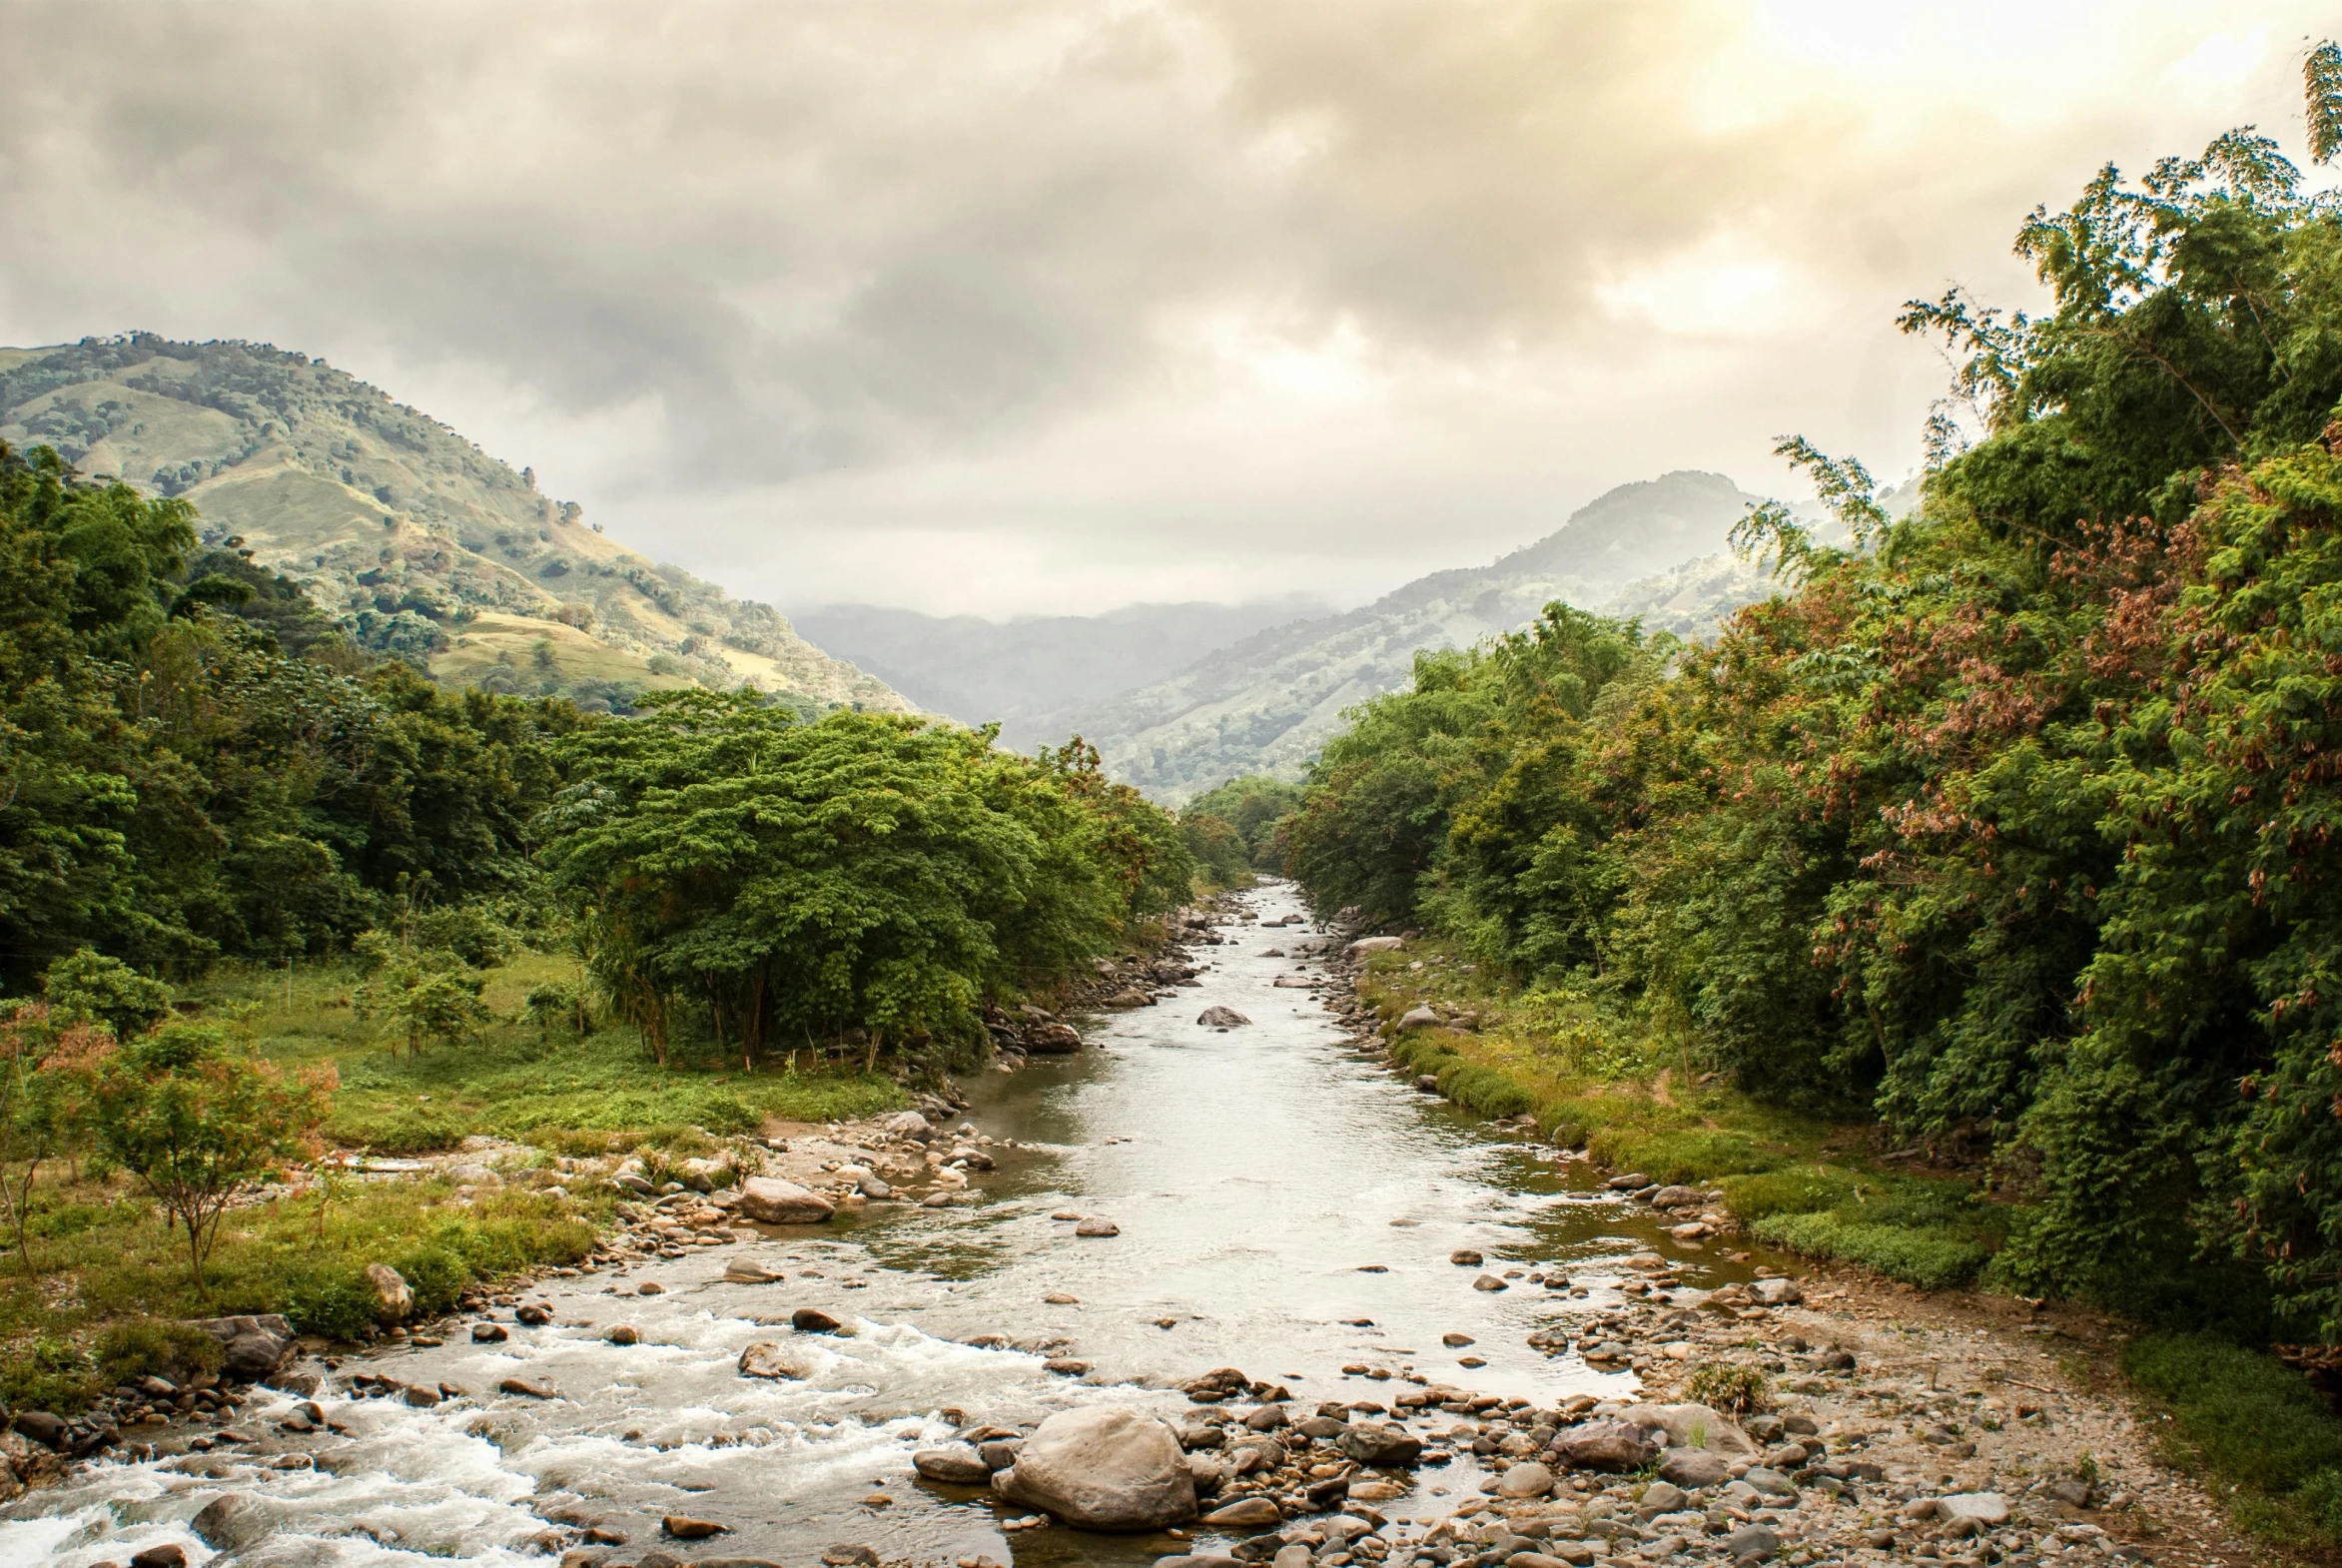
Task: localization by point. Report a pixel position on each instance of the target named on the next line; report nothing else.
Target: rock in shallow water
(1222, 1018)
(1098, 1228)
(774, 1202)
(954, 1464)
(250, 1347)
(1379, 1446)
(764, 1358)
(1102, 1468)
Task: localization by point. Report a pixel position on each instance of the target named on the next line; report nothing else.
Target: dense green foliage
(2012, 821)
(198, 767)
(1237, 829)
(864, 872)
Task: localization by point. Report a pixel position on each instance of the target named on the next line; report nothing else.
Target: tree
(420, 994)
(85, 987)
(43, 1066)
(196, 1121)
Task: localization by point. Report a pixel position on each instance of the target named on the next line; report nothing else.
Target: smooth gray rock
(1526, 1480)
(1604, 1445)
(1694, 1426)
(1752, 1542)
(768, 1359)
(1989, 1509)
(1102, 1468)
(1222, 1018)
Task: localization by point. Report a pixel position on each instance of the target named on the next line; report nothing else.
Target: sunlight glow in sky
(1057, 305)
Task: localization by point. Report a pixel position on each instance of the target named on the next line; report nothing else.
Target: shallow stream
(1287, 1206)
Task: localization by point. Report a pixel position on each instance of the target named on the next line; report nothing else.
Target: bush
(1730, 1386)
(1487, 1090)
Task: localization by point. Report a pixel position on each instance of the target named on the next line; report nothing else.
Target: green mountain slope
(1266, 704)
(413, 537)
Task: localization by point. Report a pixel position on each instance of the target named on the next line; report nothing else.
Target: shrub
(1730, 1386)
(1692, 1156)
(86, 987)
(155, 1347)
(1799, 1190)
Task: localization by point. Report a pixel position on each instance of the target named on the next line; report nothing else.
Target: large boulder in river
(1379, 1446)
(250, 1347)
(777, 1202)
(1052, 1040)
(1102, 1468)
(1222, 1018)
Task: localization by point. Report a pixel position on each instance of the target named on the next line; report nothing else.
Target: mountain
(1034, 673)
(415, 540)
(1266, 703)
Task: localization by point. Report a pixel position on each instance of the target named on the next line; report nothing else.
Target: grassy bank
(2249, 1427)
(1802, 1184)
(105, 1262)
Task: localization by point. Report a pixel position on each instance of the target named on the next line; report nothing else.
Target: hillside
(1263, 706)
(415, 540)
(1034, 673)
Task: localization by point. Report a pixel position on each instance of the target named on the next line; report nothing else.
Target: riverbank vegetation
(263, 895)
(2006, 825)
(1233, 831)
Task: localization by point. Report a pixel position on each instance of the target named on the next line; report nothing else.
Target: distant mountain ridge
(420, 543)
(1266, 704)
(1034, 673)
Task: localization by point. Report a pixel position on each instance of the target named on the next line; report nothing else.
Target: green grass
(1799, 1181)
(107, 1264)
(574, 1095)
(2253, 1422)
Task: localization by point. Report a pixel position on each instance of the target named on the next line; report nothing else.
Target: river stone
(1458, 1341)
(1986, 1508)
(1678, 1198)
(850, 1556)
(234, 1521)
(1606, 1445)
(1098, 1228)
(1489, 1283)
(526, 1389)
(1465, 1257)
(871, 1188)
(250, 1348)
(1102, 1468)
(1222, 1018)
(623, 1333)
(1662, 1496)
(1418, 1018)
(999, 1453)
(1380, 1446)
(764, 1358)
(813, 1321)
(1776, 1292)
(489, 1333)
(1693, 1467)
(740, 1272)
(1052, 1040)
(1378, 945)
(1246, 1513)
(957, 1464)
(778, 1202)
(392, 1298)
(1751, 1542)
(683, 1527)
(169, 1555)
(1769, 1482)
(1527, 1479)
(1693, 1426)
(904, 1124)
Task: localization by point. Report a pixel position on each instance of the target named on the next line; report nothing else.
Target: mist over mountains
(1657, 548)
(1036, 675)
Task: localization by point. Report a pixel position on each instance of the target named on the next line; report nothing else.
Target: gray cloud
(1046, 301)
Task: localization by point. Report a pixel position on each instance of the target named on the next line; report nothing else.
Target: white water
(1253, 1174)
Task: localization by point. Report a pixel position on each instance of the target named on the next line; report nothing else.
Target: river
(1286, 1205)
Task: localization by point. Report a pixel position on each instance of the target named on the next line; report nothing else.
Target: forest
(2009, 822)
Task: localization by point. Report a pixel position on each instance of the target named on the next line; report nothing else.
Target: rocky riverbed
(1199, 1290)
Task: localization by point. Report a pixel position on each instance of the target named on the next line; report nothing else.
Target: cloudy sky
(1040, 305)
